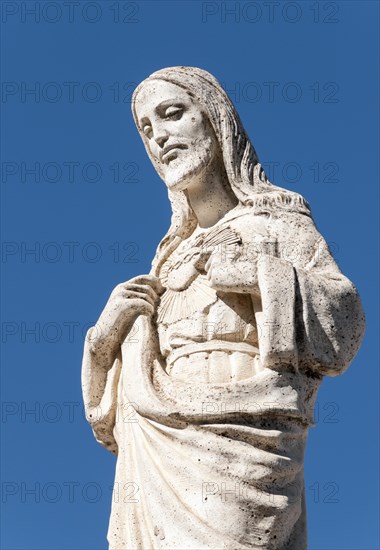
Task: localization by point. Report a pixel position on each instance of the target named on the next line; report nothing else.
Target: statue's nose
(160, 133)
(161, 138)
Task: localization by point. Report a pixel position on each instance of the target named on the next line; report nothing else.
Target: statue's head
(176, 131)
(186, 106)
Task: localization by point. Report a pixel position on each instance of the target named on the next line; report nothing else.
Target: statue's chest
(187, 288)
(182, 269)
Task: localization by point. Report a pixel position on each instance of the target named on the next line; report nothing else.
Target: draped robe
(221, 465)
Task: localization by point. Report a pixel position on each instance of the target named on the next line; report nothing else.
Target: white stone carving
(202, 375)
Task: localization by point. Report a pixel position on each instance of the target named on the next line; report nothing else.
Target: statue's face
(177, 132)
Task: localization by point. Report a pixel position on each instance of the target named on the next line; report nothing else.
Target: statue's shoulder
(275, 213)
(275, 200)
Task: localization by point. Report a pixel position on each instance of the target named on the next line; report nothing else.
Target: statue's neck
(210, 196)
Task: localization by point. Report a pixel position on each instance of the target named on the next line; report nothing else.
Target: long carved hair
(245, 174)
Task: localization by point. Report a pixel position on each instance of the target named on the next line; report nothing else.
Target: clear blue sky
(304, 78)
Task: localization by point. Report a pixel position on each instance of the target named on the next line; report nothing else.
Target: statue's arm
(313, 312)
(102, 363)
(99, 387)
(308, 313)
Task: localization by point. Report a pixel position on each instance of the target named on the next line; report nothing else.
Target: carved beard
(189, 163)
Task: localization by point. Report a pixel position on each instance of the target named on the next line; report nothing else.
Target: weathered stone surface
(202, 375)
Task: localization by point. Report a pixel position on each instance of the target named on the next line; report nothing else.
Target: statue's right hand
(138, 296)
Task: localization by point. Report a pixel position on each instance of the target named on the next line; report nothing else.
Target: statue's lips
(168, 151)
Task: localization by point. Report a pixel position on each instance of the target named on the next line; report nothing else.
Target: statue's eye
(174, 113)
(147, 130)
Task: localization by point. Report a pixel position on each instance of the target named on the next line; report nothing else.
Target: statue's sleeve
(309, 314)
(100, 387)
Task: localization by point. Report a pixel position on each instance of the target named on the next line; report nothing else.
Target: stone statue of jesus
(202, 375)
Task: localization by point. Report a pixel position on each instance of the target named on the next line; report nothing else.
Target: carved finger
(148, 280)
(143, 289)
(130, 294)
